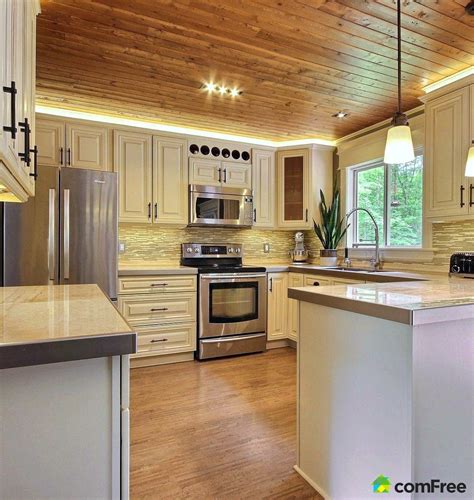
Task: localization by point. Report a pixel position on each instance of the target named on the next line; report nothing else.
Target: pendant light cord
(399, 34)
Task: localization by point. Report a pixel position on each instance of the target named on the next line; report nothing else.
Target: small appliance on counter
(461, 265)
(232, 300)
(299, 254)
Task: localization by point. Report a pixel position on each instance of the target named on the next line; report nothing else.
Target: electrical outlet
(122, 247)
(266, 248)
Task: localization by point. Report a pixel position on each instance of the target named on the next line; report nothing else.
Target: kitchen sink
(357, 269)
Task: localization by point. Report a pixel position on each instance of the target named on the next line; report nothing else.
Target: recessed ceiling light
(222, 90)
(340, 114)
(235, 92)
(210, 87)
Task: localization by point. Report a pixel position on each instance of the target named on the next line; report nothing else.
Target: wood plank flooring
(218, 429)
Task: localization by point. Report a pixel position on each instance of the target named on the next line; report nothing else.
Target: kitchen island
(385, 387)
(64, 393)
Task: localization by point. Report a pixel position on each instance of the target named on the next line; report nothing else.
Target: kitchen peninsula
(385, 385)
(64, 393)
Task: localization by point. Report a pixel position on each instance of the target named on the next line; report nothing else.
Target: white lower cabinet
(277, 310)
(162, 310)
(282, 312)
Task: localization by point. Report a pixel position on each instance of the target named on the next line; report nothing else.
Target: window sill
(391, 254)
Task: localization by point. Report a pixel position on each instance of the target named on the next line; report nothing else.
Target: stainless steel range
(232, 301)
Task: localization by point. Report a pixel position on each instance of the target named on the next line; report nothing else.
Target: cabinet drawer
(340, 281)
(312, 279)
(151, 309)
(166, 339)
(157, 284)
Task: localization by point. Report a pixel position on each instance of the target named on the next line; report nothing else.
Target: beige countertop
(414, 302)
(150, 268)
(45, 324)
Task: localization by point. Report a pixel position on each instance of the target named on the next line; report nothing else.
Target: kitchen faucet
(375, 260)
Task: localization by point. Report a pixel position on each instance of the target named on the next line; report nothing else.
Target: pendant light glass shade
(399, 145)
(470, 162)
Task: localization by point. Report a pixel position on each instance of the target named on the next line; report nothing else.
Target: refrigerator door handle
(51, 233)
(66, 234)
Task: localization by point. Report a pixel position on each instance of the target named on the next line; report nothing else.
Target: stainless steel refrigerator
(66, 234)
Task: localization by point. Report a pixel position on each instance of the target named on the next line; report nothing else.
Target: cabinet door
(87, 146)
(277, 306)
(263, 174)
(294, 280)
(236, 175)
(294, 189)
(132, 153)
(170, 181)
(5, 75)
(447, 139)
(205, 172)
(50, 137)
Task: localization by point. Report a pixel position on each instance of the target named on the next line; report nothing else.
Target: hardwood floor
(218, 429)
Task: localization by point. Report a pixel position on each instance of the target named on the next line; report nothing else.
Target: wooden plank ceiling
(296, 61)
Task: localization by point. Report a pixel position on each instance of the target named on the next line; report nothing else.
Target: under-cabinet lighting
(450, 79)
(128, 122)
(470, 162)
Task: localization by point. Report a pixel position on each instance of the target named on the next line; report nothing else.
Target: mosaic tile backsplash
(162, 244)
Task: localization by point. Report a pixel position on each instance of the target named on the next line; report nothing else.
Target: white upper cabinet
(263, 173)
(220, 173)
(205, 172)
(17, 85)
(133, 162)
(153, 178)
(73, 144)
(294, 189)
(448, 137)
(170, 181)
(87, 146)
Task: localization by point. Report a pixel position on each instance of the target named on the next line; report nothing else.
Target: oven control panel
(197, 250)
(462, 265)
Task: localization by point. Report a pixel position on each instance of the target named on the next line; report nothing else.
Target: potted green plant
(331, 230)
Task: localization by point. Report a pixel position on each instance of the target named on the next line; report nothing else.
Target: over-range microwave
(220, 206)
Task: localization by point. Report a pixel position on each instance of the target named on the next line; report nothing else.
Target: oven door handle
(231, 338)
(221, 277)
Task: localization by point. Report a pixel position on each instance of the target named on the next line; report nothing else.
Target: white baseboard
(312, 483)
(276, 344)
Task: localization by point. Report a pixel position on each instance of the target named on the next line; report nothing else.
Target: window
(394, 196)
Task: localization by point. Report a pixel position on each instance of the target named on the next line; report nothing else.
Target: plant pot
(328, 258)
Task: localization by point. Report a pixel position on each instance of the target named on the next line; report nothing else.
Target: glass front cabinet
(294, 189)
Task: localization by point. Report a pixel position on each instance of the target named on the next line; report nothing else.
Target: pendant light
(470, 162)
(399, 145)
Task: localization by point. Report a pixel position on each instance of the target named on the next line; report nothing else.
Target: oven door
(232, 304)
(217, 209)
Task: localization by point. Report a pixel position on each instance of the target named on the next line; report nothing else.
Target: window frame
(354, 171)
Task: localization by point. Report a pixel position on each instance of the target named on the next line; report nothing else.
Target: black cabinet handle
(225, 175)
(220, 174)
(149, 211)
(316, 283)
(306, 215)
(158, 340)
(271, 284)
(61, 156)
(156, 211)
(255, 215)
(25, 128)
(35, 162)
(12, 128)
(69, 156)
(471, 187)
(462, 196)
(159, 309)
